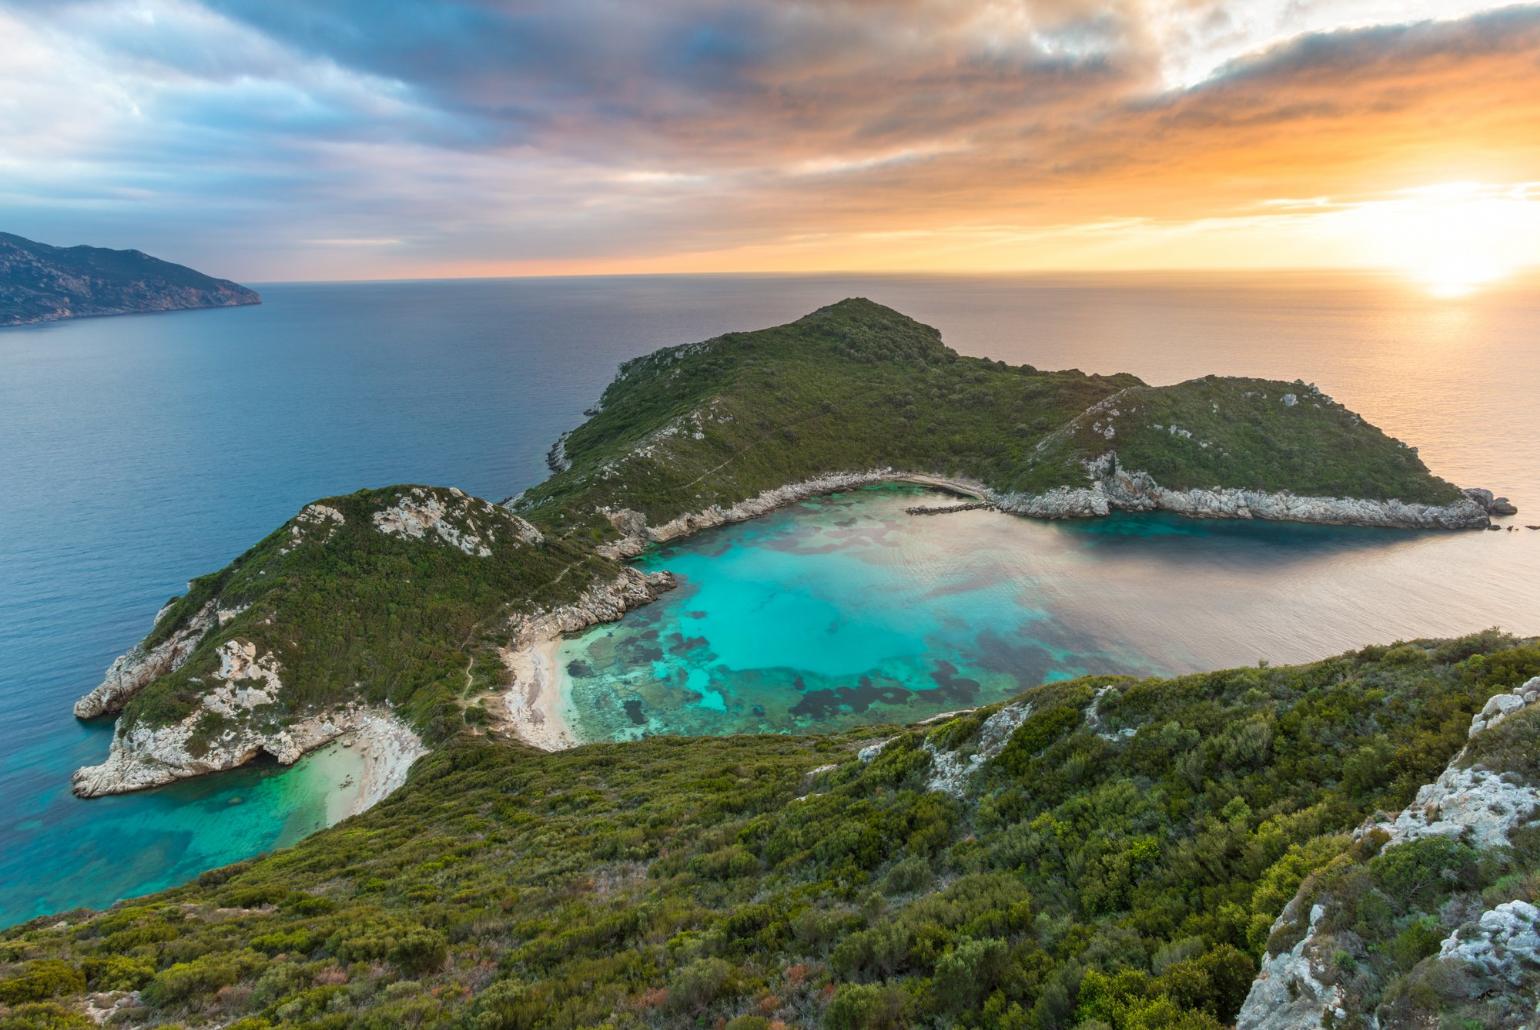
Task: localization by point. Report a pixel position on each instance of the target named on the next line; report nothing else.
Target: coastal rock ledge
(1111, 489)
(236, 719)
(146, 757)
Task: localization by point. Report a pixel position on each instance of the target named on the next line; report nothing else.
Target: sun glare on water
(1454, 238)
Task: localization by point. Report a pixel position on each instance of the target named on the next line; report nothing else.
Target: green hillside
(856, 386)
(1117, 860)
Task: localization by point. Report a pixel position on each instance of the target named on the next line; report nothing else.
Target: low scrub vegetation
(1084, 877)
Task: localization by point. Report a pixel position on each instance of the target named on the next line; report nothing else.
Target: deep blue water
(137, 452)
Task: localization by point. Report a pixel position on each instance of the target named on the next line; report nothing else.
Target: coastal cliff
(354, 616)
(42, 283)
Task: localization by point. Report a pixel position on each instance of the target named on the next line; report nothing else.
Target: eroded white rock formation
(464, 522)
(1298, 989)
(131, 672)
(231, 725)
(1113, 488)
(951, 771)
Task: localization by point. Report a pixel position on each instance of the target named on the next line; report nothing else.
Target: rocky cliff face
(236, 720)
(132, 671)
(1320, 971)
(40, 283)
(1112, 488)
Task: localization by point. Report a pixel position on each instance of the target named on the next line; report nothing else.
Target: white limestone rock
(241, 701)
(1500, 706)
(1112, 488)
(315, 523)
(1503, 944)
(131, 672)
(1480, 805)
(951, 771)
(467, 523)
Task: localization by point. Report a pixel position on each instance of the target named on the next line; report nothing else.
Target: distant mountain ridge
(43, 283)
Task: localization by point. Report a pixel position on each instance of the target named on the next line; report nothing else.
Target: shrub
(40, 980)
(699, 984)
(867, 1007)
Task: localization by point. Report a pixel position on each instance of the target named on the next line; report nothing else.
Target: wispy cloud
(281, 138)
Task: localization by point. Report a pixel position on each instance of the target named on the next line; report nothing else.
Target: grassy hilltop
(1117, 860)
(856, 385)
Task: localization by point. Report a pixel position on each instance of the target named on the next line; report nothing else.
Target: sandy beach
(533, 702)
(365, 765)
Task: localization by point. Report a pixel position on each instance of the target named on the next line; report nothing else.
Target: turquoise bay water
(138, 452)
(845, 610)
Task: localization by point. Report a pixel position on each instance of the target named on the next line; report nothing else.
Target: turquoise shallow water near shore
(844, 610)
(138, 452)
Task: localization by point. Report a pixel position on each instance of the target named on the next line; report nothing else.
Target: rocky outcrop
(1490, 504)
(1503, 943)
(952, 771)
(234, 721)
(604, 602)
(314, 524)
(1294, 989)
(1113, 488)
(464, 522)
(1500, 706)
(132, 672)
(1305, 986)
(1482, 806)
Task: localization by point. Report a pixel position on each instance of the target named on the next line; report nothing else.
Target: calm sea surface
(138, 452)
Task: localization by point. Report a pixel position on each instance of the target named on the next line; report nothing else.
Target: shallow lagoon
(845, 610)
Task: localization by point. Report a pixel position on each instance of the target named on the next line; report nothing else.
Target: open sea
(137, 452)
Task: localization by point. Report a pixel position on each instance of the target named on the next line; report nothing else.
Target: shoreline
(535, 704)
(374, 760)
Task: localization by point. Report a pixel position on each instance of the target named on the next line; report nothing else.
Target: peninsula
(42, 283)
(425, 605)
(1099, 850)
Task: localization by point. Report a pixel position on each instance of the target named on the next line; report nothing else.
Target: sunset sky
(273, 140)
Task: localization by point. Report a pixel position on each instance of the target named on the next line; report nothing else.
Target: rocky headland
(42, 283)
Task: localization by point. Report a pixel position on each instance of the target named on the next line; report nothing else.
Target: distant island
(1268, 848)
(43, 283)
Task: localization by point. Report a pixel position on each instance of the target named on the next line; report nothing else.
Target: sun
(1452, 238)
